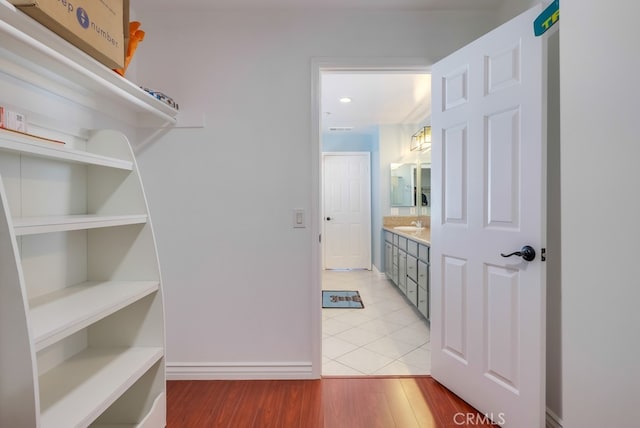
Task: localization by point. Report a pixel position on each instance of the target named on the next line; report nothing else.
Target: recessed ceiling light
(345, 100)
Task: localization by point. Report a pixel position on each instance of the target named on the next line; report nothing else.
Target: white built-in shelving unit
(81, 309)
(81, 330)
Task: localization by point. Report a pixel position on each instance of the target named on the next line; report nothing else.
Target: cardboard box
(98, 27)
(12, 120)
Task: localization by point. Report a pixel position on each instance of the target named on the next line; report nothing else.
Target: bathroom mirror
(425, 187)
(403, 184)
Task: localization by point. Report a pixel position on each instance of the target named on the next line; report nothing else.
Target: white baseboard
(553, 420)
(375, 270)
(238, 371)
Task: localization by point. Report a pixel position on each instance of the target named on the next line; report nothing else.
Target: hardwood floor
(362, 402)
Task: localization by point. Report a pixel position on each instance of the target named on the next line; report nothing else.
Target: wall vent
(341, 128)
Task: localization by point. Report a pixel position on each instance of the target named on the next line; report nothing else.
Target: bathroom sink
(408, 228)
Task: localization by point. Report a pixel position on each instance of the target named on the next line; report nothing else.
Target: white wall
(237, 276)
(600, 213)
(512, 8)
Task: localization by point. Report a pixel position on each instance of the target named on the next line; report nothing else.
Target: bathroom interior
(387, 116)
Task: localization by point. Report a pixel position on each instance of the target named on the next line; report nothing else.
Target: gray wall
(235, 76)
(600, 96)
(237, 277)
(247, 74)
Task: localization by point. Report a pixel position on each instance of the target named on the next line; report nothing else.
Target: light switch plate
(299, 218)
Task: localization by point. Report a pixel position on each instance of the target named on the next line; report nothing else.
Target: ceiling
(376, 99)
(338, 4)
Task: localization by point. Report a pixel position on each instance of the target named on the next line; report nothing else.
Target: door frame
(319, 66)
(368, 223)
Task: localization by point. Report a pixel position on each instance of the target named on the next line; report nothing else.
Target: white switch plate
(299, 218)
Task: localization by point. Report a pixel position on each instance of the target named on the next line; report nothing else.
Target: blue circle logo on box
(83, 18)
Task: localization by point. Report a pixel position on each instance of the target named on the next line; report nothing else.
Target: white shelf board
(76, 392)
(156, 417)
(62, 313)
(22, 143)
(52, 58)
(34, 225)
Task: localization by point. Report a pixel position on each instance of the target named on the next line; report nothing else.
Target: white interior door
(488, 184)
(347, 210)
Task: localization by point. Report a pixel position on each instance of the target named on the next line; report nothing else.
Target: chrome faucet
(417, 223)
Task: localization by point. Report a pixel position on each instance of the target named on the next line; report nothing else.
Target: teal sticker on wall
(547, 18)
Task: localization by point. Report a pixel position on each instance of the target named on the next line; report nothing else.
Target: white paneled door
(347, 210)
(488, 181)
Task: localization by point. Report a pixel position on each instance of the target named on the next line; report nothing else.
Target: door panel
(503, 148)
(488, 181)
(455, 88)
(454, 146)
(347, 211)
(502, 333)
(454, 303)
(503, 69)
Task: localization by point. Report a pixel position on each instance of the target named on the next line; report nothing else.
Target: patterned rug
(341, 299)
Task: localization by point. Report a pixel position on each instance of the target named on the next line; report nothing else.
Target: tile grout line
(388, 335)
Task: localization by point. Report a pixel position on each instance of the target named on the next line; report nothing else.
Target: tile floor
(387, 337)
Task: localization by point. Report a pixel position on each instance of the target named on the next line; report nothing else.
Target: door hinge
(320, 238)
(543, 254)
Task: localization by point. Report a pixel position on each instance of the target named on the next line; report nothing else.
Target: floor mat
(341, 299)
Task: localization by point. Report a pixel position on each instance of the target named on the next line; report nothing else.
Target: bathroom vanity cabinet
(407, 266)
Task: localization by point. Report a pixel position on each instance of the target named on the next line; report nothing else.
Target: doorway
(388, 337)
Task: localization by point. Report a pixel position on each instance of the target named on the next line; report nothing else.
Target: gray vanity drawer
(423, 274)
(388, 236)
(402, 243)
(412, 248)
(423, 302)
(412, 267)
(423, 252)
(402, 271)
(412, 292)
